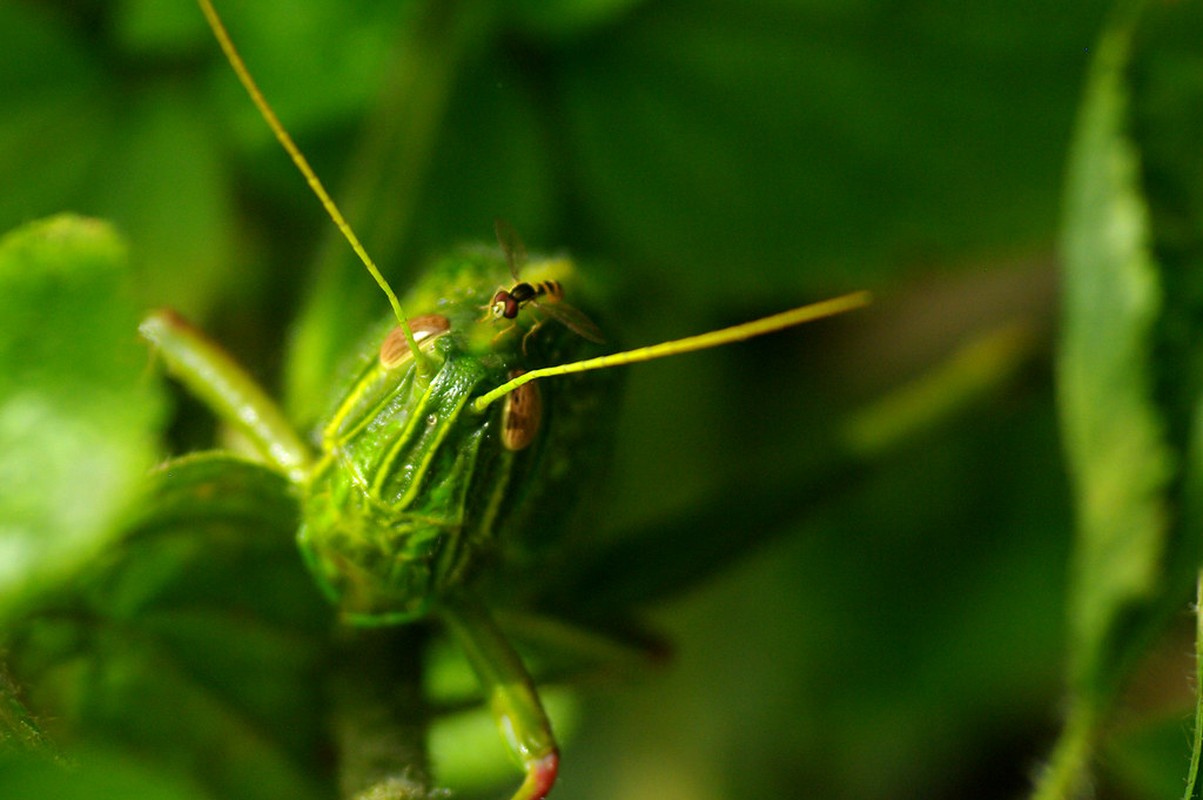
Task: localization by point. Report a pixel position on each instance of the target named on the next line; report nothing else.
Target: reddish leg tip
(541, 775)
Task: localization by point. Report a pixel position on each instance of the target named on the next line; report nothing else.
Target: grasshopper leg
(210, 374)
(540, 777)
(510, 692)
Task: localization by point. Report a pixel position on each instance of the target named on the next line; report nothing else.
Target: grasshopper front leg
(510, 692)
(225, 387)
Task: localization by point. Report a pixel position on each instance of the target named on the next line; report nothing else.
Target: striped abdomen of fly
(413, 487)
(508, 302)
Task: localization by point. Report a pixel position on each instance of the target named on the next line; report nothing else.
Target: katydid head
(413, 488)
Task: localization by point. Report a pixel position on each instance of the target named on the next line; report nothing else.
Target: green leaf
(1115, 435)
(19, 731)
(78, 415)
(97, 776)
(782, 141)
(567, 19)
(118, 138)
(161, 179)
(1120, 461)
(151, 28)
(1167, 121)
(54, 103)
(199, 644)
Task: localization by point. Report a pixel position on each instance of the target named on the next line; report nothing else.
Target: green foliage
(883, 549)
(1128, 392)
(96, 776)
(204, 614)
(1114, 433)
(77, 416)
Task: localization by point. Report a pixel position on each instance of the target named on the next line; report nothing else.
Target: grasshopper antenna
(421, 360)
(703, 341)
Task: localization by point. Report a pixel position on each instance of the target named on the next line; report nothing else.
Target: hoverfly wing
(573, 319)
(511, 245)
(515, 256)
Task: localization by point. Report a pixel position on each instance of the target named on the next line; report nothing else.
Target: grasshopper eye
(521, 415)
(394, 350)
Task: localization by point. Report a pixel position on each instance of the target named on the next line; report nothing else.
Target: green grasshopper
(442, 455)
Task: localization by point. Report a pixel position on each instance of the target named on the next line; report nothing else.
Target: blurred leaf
(95, 776)
(198, 644)
(1114, 433)
(567, 19)
(152, 28)
(976, 370)
(845, 134)
(19, 731)
(54, 103)
(1167, 111)
(120, 142)
(670, 556)
(1147, 759)
(162, 180)
(902, 627)
(78, 416)
(317, 62)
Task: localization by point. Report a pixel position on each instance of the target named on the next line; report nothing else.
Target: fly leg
(531, 332)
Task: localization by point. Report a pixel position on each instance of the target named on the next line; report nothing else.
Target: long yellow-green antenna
(702, 341)
(227, 45)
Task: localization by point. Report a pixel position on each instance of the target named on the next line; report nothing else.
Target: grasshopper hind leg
(540, 777)
(510, 693)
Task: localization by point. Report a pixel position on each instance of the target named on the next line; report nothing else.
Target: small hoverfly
(507, 303)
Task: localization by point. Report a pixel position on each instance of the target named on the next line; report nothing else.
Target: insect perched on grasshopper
(424, 469)
(507, 303)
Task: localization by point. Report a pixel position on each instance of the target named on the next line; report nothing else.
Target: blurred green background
(880, 610)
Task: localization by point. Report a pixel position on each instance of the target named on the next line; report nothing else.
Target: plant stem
(1067, 774)
(380, 719)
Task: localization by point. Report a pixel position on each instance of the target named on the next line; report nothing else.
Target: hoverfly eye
(499, 305)
(504, 305)
(394, 350)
